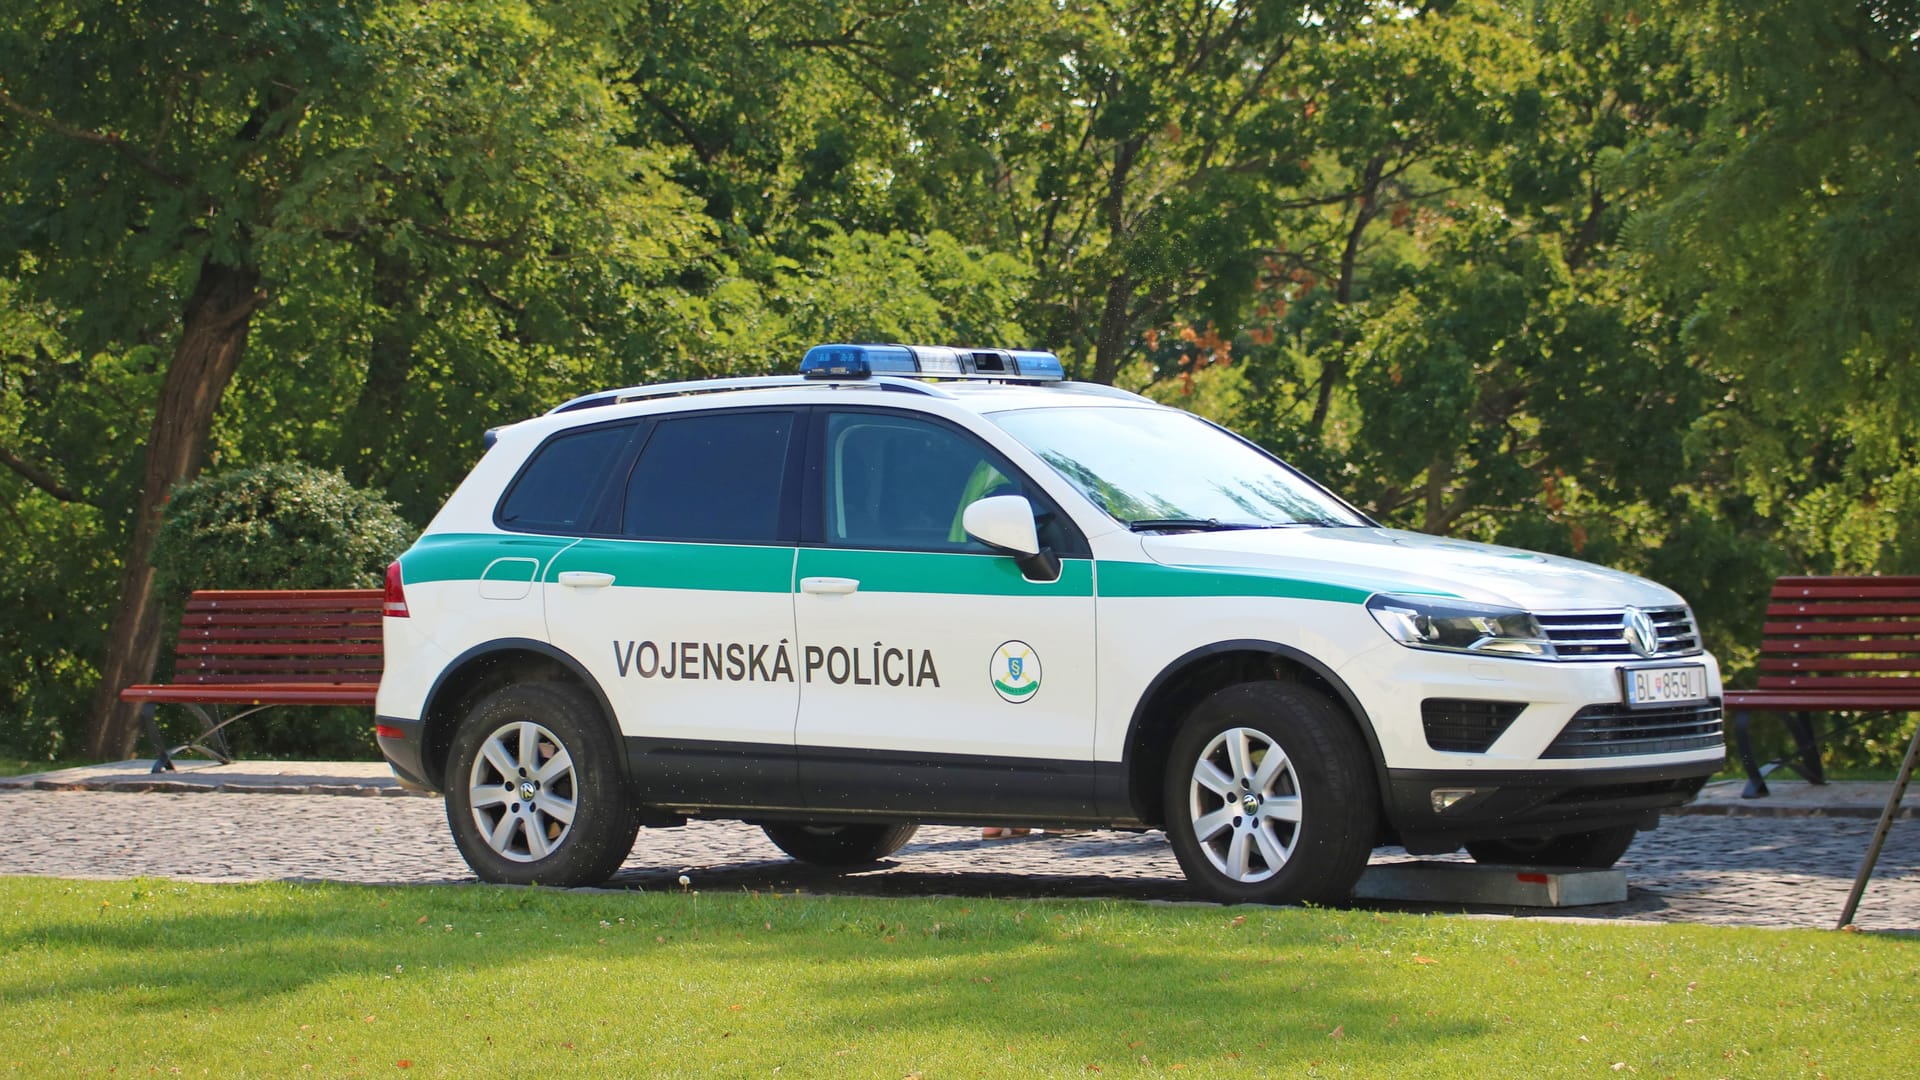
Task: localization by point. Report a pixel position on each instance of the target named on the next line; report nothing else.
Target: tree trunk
(1439, 517)
(1333, 370)
(364, 454)
(213, 337)
(1111, 344)
(1110, 341)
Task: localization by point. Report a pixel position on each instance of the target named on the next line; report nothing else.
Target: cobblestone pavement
(1695, 868)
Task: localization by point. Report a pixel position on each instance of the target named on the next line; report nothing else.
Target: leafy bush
(278, 526)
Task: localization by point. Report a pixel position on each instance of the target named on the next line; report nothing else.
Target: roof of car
(975, 395)
(981, 395)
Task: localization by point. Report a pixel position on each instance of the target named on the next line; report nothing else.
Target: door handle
(585, 579)
(829, 586)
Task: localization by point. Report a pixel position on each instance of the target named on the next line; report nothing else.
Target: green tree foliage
(1137, 154)
(1786, 244)
(1451, 329)
(1615, 278)
(450, 174)
(57, 570)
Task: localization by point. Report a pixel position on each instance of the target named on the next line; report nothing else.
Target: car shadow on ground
(892, 878)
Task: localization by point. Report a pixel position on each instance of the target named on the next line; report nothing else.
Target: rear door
(681, 606)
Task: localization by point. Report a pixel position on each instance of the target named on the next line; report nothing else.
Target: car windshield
(1163, 469)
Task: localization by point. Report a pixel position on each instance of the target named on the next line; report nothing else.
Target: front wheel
(1270, 797)
(839, 845)
(534, 791)
(1596, 850)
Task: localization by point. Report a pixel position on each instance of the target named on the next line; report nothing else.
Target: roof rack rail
(747, 382)
(676, 389)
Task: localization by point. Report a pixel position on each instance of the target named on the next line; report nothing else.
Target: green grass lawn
(13, 766)
(145, 976)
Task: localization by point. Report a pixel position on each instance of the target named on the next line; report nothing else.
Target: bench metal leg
(1743, 743)
(1801, 726)
(1880, 834)
(162, 761)
(212, 739)
(1805, 761)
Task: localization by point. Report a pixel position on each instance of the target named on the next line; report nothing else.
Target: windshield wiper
(1316, 523)
(1190, 524)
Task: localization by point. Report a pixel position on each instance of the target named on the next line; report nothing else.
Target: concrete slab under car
(1507, 886)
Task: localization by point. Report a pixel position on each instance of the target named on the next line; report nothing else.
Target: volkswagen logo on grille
(1642, 636)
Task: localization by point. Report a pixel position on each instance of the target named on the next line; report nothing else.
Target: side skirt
(759, 780)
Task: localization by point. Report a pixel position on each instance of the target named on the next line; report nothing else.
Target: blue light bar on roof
(930, 361)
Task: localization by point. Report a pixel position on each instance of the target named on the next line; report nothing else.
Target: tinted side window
(555, 492)
(715, 476)
(903, 483)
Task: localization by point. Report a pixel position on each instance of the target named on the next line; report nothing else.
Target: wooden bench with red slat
(256, 648)
(1830, 644)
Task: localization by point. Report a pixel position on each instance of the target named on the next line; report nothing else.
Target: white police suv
(923, 584)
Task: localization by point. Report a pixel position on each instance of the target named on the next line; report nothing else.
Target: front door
(934, 677)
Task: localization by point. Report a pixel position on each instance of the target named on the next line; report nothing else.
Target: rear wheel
(534, 791)
(1596, 850)
(1270, 797)
(839, 845)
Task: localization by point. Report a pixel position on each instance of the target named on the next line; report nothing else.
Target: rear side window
(557, 490)
(712, 477)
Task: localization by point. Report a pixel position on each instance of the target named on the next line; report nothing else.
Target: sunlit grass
(13, 766)
(269, 979)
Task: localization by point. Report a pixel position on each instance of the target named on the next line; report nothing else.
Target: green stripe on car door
(633, 563)
(649, 564)
(949, 573)
(465, 556)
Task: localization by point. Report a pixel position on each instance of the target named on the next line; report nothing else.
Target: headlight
(1459, 626)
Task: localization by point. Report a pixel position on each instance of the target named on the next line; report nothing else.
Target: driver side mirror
(1005, 523)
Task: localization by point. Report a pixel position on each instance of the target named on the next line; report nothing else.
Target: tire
(1597, 850)
(1315, 811)
(839, 845)
(535, 795)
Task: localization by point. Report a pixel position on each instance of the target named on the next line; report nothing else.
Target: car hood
(1390, 560)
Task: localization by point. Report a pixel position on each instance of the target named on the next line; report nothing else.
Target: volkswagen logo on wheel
(1642, 636)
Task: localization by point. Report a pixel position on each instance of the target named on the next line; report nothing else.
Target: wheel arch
(485, 668)
(1182, 683)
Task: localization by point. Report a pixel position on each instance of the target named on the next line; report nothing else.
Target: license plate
(1665, 685)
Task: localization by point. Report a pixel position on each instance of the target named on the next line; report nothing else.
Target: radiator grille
(1602, 635)
(1618, 731)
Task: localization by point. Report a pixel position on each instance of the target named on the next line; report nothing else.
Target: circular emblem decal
(1015, 671)
(1642, 637)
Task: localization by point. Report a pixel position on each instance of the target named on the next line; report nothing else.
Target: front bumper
(1527, 803)
(1391, 682)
